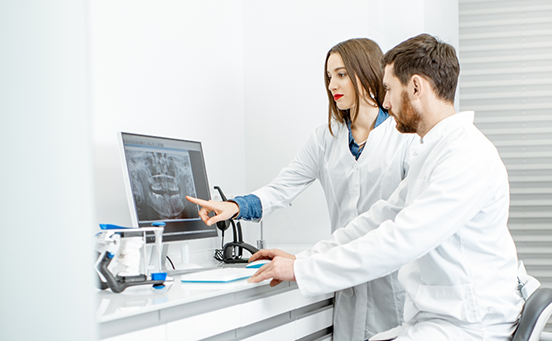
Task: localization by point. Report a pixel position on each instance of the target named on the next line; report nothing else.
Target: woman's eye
(342, 75)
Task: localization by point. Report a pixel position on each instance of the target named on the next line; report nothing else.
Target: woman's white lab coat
(444, 227)
(351, 187)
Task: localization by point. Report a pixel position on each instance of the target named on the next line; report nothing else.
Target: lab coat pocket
(457, 301)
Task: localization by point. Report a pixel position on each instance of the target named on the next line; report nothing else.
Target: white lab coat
(351, 187)
(445, 229)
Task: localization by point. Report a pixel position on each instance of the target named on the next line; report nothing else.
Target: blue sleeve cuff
(250, 206)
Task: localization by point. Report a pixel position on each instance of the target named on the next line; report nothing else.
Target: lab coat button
(355, 166)
(415, 153)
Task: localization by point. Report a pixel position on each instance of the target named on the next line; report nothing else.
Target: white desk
(232, 311)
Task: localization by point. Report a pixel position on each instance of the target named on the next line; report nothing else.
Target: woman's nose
(332, 86)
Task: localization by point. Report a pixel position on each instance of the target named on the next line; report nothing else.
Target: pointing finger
(198, 201)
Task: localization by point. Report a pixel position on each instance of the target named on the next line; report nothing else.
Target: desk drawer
(266, 307)
(301, 301)
(149, 334)
(285, 332)
(204, 325)
(313, 323)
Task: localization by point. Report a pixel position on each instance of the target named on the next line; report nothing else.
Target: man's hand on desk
(224, 210)
(279, 269)
(270, 254)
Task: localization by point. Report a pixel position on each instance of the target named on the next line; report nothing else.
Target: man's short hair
(428, 57)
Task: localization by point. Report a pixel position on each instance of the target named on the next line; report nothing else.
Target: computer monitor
(159, 172)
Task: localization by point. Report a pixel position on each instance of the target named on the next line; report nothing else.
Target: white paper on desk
(223, 275)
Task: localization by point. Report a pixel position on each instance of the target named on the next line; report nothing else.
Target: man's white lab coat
(444, 228)
(350, 187)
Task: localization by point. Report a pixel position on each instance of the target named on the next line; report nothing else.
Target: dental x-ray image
(160, 182)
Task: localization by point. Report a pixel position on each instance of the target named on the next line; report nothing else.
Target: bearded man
(445, 225)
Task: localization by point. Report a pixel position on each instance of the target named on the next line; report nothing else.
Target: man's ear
(417, 85)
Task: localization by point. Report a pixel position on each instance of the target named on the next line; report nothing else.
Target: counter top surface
(143, 298)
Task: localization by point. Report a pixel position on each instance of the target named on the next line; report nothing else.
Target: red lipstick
(337, 96)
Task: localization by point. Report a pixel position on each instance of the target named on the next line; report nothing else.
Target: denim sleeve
(250, 206)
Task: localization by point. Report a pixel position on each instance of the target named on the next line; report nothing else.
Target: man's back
(471, 275)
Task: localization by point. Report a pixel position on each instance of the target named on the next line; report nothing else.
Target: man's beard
(409, 118)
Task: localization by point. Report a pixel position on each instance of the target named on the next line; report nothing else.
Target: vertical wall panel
(506, 77)
(46, 188)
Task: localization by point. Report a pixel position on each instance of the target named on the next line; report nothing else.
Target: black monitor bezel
(169, 235)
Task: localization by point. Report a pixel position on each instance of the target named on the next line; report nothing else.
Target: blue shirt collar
(353, 146)
(382, 116)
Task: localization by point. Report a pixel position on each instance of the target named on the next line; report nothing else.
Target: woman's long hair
(362, 59)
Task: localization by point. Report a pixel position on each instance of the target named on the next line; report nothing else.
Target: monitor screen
(159, 172)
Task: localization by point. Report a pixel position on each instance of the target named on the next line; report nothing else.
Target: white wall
(167, 68)
(46, 192)
(244, 78)
(285, 44)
